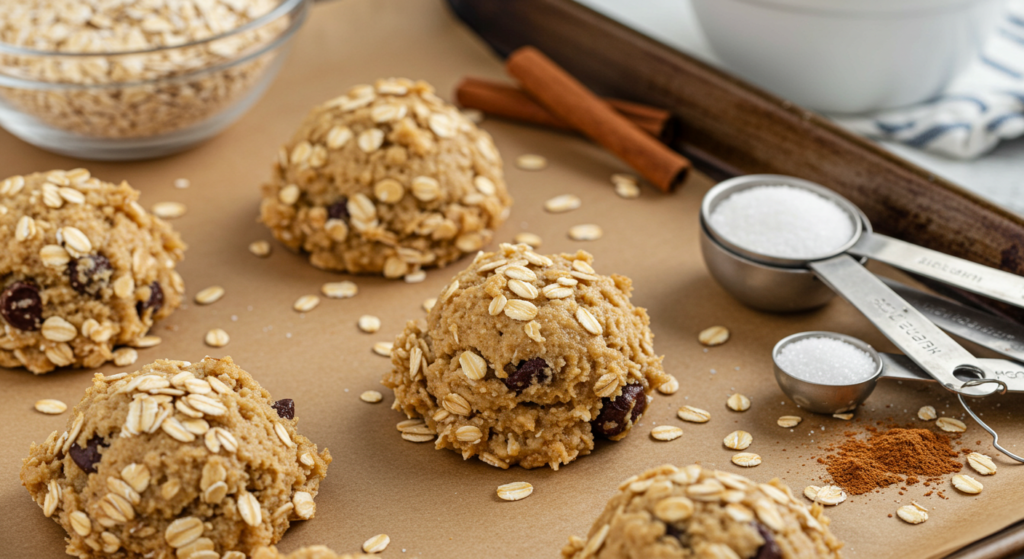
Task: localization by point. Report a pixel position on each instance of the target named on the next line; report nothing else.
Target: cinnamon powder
(889, 457)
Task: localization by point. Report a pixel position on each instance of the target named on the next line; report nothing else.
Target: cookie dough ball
(174, 459)
(670, 513)
(385, 180)
(84, 268)
(310, 552)
(525, 358)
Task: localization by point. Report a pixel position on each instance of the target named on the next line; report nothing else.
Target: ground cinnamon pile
(889, 457)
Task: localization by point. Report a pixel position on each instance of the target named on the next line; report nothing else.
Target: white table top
(998, 176)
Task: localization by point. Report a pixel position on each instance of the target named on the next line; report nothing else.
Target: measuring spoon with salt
(769, 231)
(830, 373)
(819, 229)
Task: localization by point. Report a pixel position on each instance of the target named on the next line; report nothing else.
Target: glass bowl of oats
(106, 80)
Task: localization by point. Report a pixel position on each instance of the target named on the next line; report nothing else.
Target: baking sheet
(431, 503)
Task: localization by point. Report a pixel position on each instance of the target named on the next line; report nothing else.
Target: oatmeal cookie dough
(173, 459)
(525, 358)
(310, 552)
(385, 180)
(672, 513)
(84, 268)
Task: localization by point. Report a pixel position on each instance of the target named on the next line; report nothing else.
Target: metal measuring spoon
(964, 274)
(910, 330)
(841, 398)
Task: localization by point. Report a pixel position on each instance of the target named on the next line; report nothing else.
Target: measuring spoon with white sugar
(964, 274)
(828, 378)
(929, 347)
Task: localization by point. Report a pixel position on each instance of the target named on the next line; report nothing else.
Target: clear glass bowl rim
(283, 8)
(286, 7)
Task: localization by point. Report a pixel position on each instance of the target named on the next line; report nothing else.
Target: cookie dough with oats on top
(176, 458)
(681, 513)
(386, 179)
(526, 359)
(84, 269)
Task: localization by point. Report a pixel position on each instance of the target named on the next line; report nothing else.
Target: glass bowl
(140, 104)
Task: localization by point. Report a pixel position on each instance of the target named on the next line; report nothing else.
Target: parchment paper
(431, 503)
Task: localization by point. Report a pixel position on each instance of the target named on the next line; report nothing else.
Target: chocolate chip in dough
(621, 413)
(155, 301)
(528, 372)
(285, 408)
(89, 274)
(339, 210)
(87, 457)
(21, 306)
(770, 549)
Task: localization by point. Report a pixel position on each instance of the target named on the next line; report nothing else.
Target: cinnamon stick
(506, 101)
(577, 106)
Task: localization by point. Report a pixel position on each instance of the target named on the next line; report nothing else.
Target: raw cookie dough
(173, 459)
(671, 513)
(386, 179)
(84, 268)
(311, 552)
(525, 358)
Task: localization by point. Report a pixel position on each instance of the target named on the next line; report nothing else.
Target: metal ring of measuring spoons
(991, 431)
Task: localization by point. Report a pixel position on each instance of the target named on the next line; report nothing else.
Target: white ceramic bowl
(848, 56)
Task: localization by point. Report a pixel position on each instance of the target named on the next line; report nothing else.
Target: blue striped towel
(982, 107)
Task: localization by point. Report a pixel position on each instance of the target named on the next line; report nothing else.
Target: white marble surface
(998, 176)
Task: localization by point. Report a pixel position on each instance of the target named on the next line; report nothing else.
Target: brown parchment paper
(431, 503)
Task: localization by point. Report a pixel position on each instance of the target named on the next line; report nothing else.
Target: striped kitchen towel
(982, 107)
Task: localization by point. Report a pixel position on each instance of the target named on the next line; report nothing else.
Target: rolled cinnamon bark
(506, 101)
(576, 105)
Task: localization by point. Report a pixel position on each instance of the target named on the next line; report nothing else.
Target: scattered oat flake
(585, 232)
(429, 303)
(746, 459)
(515, 491)
(369, 323)
(627, 190)
(981, 464)
(529, 239)
(738, 402)
(950, 425)
(829, 495)
(383, 348)
(371, 396)
(693, 415)
(182, 183)
(147, 341)
(217, 338)
(210, 295)
(339, 289)
(169, 210)
(376, 544)
(912, 514)
(967, 484)
(789, 421)
(260, 248)
(51, 407)
(531, 162)
(666, 433)
(306, 303)
(926, 413)
(843, 416)
(563, 203)
(738, 440)
(670, 387)
(811, 492)
(715, 335)
(415, 277)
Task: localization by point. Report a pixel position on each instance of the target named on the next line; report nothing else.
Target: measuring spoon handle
(928, 346)
(967, 275)
(992, 332)
(901, 367)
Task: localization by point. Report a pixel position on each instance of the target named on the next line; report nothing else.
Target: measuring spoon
(966, 275)
(842, 398)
